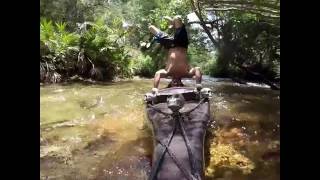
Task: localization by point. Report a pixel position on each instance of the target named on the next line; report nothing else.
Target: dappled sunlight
(227, 157)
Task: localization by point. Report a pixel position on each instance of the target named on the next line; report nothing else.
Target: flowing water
(96, 131)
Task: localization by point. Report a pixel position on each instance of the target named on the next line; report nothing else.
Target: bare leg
(154, 30)
(162, 73)
(197, 73)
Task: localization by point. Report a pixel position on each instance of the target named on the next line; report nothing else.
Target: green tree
(246, 36)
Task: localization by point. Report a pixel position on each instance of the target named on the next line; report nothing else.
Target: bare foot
(154, 90)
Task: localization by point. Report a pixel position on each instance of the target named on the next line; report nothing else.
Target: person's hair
(178, 17)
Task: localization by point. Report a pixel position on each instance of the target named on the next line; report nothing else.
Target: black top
(181, 37)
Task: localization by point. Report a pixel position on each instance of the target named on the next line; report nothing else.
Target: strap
(176, 161)
(187, 112)
(155, 169)
(158, 110)
(189, 96)
(193, 162)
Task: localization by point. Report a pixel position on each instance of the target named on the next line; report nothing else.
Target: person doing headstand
(177, 66)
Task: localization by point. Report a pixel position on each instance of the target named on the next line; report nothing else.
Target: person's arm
(153, 29)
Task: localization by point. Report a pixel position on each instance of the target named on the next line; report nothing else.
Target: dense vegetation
(106, 39)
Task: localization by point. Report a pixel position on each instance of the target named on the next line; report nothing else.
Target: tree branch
(237, 9)
(202, 23)
(264, 4)
(248, 8)
(205, 22)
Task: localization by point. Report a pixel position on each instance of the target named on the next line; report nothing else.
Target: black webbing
(177, 118)
(186, 140)
(176, 161)
(155, 169)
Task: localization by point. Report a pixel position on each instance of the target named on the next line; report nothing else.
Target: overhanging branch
(206, 22)
(275, 6)
(268, 15)
(197, 11)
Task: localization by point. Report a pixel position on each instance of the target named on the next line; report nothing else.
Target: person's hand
(155, 91)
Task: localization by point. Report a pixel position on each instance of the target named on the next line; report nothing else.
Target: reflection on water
(98, 132)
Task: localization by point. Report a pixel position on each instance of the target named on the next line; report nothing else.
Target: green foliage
(215, 70)
(200, 57)
(88, 38)
(250, 41)
(167, 8)
(210, 67)
(144, 66)
(56, 38)
(92, 52)
(101, 48)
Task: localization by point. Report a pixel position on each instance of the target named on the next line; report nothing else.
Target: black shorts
(164, 39)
